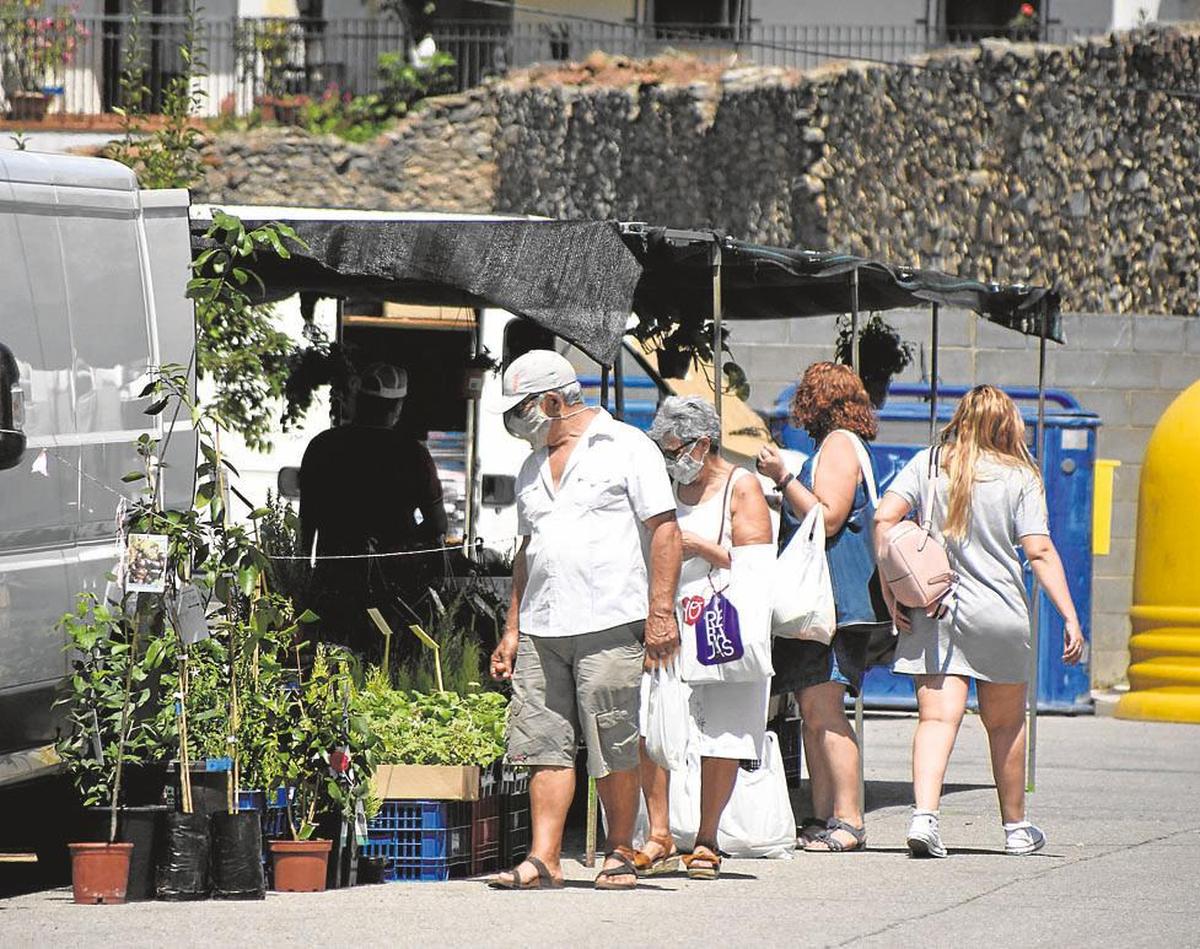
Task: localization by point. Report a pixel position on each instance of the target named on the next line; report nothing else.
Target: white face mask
(685, 469)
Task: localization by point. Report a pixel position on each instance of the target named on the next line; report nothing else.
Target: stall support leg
(1035, 626)
(718, 373)
(934, 345)
(854, 320)
(619, 386)
(604, 388)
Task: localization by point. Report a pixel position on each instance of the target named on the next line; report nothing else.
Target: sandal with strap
(511, 879)
(666, 862)
(832, 844)
(703, 863)
(627, 868)
(809, 829)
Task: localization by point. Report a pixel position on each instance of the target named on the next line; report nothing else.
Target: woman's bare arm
(1047, 567)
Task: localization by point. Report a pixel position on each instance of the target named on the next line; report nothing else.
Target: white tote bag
(802, 604)
(734, 646)
(668, 718)
(758, 820)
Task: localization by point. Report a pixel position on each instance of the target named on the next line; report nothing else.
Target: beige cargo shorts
(571, 687)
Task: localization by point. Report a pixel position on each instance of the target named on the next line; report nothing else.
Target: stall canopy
(582, 279)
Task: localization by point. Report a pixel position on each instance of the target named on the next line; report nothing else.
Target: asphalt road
(1120, 802)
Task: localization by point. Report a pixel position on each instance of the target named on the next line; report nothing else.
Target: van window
(521, 335)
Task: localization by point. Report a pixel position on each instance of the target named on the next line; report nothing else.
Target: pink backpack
(913, 563)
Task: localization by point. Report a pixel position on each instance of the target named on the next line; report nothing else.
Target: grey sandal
(832, 844)
(809, 829)
(543, 880)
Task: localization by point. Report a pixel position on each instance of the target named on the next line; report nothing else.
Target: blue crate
(421, 840)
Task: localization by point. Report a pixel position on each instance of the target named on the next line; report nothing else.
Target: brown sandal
(627, 868)
(703, 863)
(666, 862)
(543, 880)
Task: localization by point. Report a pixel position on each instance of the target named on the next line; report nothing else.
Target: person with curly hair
(832, 404)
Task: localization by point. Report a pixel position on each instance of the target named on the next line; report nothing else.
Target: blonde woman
(989, 502)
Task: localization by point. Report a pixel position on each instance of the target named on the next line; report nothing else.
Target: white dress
(728, 718)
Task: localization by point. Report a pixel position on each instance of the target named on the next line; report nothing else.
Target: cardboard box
(426, 782)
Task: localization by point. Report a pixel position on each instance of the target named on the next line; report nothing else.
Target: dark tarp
(574, 278)
(582, 279)
(760, 282)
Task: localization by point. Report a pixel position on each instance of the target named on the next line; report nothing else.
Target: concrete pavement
(1120, 802)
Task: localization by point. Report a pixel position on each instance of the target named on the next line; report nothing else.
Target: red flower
(1027, 9)
(339, 761)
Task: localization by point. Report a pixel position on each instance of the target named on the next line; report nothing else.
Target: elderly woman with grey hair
(718, 507)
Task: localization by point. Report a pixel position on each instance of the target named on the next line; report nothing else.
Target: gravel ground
(1118, 800)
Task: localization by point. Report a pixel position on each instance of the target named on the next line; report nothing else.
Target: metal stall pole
(718, 375)
(854, 319)
(1036, 625)
(858, 700)
(619, 385)
(933, 376)
(604, 388)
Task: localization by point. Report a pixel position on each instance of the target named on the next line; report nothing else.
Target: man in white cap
(594, 579)
(361, 486)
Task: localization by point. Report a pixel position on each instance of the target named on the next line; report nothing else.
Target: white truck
(94, 274)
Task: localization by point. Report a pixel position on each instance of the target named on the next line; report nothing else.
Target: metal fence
(246, 59)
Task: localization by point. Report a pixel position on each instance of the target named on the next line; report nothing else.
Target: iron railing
(248, 59)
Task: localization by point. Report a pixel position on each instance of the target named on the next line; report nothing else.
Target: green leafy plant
(432, 728)
(404, 84)
(881, 351)
(238, 345)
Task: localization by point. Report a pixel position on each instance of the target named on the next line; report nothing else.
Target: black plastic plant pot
(210, 789)
(143, 827)
(183, 858)
(237, 866)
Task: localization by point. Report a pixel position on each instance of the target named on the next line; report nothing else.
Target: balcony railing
(249, 58)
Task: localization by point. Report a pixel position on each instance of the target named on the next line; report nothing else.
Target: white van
(86, 308)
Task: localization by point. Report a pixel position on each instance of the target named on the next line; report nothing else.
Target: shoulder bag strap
(727, 491)
(935, 456)
(864, 464)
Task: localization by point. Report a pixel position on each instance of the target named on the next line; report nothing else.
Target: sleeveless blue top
(851, 555)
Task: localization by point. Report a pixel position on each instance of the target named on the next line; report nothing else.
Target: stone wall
(1125, 368)
(1005, 162)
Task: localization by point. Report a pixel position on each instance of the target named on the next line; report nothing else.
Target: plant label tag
(360, 824)
(189, 611)
(146, 563)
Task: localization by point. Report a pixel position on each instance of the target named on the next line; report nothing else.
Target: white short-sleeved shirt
(587, 552)
(985, 634)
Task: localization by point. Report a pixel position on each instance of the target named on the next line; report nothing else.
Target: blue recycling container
(1069, 449)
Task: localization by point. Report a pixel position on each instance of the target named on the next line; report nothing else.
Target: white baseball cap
(538, 370)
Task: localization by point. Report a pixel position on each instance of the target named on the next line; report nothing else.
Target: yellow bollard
(1164, 669)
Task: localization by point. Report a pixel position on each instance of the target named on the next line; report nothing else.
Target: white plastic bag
(758, 820)
(802, 592)
(749, 590)
(668, 726)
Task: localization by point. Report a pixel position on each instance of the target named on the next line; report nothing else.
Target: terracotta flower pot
(28, 106)
(100, 872)
(300, 865)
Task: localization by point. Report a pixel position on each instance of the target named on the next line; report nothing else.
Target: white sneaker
(923, 837)
(1022, 838)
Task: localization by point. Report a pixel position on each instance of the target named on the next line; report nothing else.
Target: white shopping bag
(718, 650)
(802, 592)
(668, 718)
(758, 820)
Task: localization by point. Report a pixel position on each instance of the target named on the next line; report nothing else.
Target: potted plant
(881, 354)
(315, 739)
(109, 732)
(40, 40)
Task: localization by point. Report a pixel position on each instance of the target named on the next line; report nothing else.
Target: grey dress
(985, 634)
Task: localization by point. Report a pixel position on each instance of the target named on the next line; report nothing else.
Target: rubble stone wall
(1005, 162)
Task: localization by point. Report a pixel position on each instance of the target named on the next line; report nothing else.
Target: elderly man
(585, 598)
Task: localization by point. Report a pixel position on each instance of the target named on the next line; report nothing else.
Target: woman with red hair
(832, 404)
